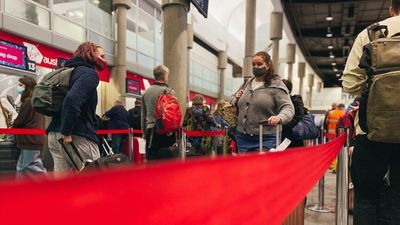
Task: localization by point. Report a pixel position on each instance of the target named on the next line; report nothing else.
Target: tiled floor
(315, 218)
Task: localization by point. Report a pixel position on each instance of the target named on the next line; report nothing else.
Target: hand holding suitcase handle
(272, 121)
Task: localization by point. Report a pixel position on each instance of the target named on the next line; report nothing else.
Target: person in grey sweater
(264, 97)
(156, 144)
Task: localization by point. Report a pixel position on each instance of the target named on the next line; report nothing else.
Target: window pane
(145, 42)
(105, 43)
(69, 29)
(104, 5)
(71, 9)
(146, 7)
(131, 28)
(130, 56)
(145, 61)
(159, 45)
(42, 2)
(100, 21)
(29, 12)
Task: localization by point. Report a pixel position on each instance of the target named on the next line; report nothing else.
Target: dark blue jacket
(118, 118)
(78, 114)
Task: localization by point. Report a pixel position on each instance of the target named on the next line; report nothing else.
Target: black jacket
(78, 113)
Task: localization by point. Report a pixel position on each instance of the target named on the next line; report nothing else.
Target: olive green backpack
(379, 105)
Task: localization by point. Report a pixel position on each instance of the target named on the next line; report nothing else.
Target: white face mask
(20, 90)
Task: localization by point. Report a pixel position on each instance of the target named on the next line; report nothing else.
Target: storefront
(210, 101)
(135, 87)
(19, 56)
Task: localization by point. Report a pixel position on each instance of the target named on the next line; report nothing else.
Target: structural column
(120, 6)
(250, 38)
(301, 74)
(276, 23)
(176, 46)
(319, 87)
(222, 63)
(290, 59)
(310, 85)
(190, 39)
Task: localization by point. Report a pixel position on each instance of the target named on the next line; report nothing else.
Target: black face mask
(259, 72)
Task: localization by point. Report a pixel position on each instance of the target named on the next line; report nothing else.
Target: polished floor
(315, 218)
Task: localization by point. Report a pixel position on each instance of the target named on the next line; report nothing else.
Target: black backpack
(135, 116)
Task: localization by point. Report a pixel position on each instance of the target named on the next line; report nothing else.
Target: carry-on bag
(75, 158)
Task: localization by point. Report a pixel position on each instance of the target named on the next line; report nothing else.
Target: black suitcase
(109, 161)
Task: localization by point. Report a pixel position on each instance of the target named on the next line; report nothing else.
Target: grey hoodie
(261, 103)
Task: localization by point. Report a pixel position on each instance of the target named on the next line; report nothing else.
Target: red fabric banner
(194, 133)
(247, 189)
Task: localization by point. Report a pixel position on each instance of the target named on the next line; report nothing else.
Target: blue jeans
(117, 143)
(246, 142)
(30, 161)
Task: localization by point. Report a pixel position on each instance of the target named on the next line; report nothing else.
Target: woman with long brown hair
(29, 161)
(77, 120)
(264, 97)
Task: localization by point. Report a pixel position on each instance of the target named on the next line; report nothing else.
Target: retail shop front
(20, 56)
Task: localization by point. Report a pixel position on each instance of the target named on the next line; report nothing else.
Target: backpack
(48, 95)
(305, 129)
(379, 108)
(168, 114)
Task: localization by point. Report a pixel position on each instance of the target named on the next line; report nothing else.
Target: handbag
(305, 129)
(230, 112)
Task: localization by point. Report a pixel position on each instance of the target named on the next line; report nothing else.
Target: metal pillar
(276, 22)
(176, 46)
(249, 38)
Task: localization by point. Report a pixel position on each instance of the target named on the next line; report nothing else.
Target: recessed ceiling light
(338, 74)
(330, 47)
(333, 64)
(332, 56)
(329, 18)
(329, 35)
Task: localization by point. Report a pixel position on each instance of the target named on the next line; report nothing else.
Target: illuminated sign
(132, 86)
(13, 55)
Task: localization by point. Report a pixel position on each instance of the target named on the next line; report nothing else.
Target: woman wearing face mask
(77, 120)
(264, 97)
(29, 161)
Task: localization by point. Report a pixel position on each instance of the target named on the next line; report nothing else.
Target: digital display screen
(13, 55)
(132, 86)
(202, 6)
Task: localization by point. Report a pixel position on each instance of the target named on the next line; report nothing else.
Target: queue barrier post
(342, 179)
(130, 140)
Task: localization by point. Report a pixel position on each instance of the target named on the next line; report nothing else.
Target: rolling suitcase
(278, 135)
(80, 164)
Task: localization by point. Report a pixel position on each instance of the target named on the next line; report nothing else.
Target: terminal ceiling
(309, 21)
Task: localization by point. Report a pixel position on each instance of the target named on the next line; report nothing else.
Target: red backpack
(168, 114)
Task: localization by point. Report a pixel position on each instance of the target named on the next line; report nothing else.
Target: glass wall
(203, 75)
(28, 11)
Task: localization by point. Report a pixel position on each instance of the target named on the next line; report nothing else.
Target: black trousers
(158, 146)
(370, 162)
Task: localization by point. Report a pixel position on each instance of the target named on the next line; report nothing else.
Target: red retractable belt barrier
(329, 135)
(250, 189)
(19, 131)
(194, 133)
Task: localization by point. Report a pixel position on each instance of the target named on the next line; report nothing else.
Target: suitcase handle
(278, 138)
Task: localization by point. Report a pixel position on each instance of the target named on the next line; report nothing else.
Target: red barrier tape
(22, 131)
(18, 131)
(250, 189)
(121, 131)
(329, 136)
(193, 133)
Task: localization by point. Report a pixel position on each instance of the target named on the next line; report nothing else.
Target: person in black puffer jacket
(76, 122)
(299, 112)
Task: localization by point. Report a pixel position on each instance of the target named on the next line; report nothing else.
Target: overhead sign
(132, 86)
(201, 5)
(13, 55)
